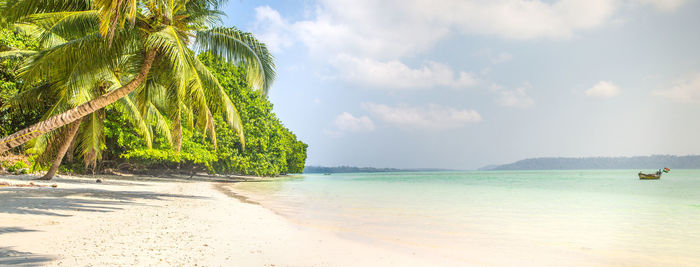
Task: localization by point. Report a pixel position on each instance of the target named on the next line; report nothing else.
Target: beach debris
(30, 184)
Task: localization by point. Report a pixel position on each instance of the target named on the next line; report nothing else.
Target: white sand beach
(164, 222)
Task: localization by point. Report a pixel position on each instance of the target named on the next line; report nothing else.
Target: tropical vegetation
(120, 81)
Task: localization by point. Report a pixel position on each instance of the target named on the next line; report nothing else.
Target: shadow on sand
(55, 202)
(50, 201)
(10, 257)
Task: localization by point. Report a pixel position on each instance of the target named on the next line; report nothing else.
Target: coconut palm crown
(146, 48)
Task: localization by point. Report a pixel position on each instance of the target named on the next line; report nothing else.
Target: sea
(502, 218)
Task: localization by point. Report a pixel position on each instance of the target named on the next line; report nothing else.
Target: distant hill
(641, 163)
(351, 169)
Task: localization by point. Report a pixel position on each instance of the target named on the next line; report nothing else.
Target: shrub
(18, 167)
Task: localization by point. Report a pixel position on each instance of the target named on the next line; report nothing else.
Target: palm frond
(114, 14)
(127, 107)
(64, 26)
(162, 127)
(173, 49)
(242, 49)
(16, 54)
(40, 34)
(223, 104)
(146, 99)
(91, 138)
(14, 10)
(55, 62)
(28, 98)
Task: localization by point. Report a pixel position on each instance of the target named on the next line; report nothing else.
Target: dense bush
(14, 119)
(270, 148)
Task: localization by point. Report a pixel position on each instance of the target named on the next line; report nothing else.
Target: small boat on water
(655, 176)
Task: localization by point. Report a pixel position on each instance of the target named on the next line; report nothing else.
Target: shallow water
(606, 217)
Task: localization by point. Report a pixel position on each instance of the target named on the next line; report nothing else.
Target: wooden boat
(644, 176)
(655, 176)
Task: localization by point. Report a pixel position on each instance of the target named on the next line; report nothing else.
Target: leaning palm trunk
(78, 112)
(62, 150)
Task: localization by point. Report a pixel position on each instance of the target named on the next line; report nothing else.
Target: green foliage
(237, 109)
(18, 167)
(270, 148)
(11, 39)
(88, 48)
(192, 154)
(120, 139)
(12, 120)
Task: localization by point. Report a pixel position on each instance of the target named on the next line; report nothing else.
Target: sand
(153, 222)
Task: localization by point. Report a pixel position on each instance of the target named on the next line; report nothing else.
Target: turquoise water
(606, 217)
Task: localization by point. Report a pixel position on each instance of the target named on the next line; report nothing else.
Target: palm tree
(65, 93)
(87, 132)
(151, 43)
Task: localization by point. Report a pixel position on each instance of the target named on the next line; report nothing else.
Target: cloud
(516, 98)
(272, 29)
(394, 74)
(664, 5)
(361, 33)
(431, 117)
(347, 123)
(603, 89)
(685, 90)
(364, 28)
(519, 19)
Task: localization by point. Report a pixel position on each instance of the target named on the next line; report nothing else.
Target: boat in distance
(654, 176)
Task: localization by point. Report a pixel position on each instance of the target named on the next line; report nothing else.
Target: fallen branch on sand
(30, 184)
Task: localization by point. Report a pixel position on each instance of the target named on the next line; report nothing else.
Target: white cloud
(519, 19)
(346, 122)
(272, 29)
(394, 74)
(683, 91)
(365, 44)
(603, 89)
(431, 117)
(516, 98)
(363, 33)
(364, 28)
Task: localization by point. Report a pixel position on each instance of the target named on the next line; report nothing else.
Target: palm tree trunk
(72, 131)
(71, 149)
(78, 112)
(177, 134)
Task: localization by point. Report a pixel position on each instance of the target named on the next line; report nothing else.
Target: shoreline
(155, 221)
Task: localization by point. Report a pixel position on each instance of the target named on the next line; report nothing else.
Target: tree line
(640, 162)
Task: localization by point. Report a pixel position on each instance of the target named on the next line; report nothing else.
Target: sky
(464, 84)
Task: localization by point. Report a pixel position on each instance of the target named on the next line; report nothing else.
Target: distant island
(351, 169)
(589, 163)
